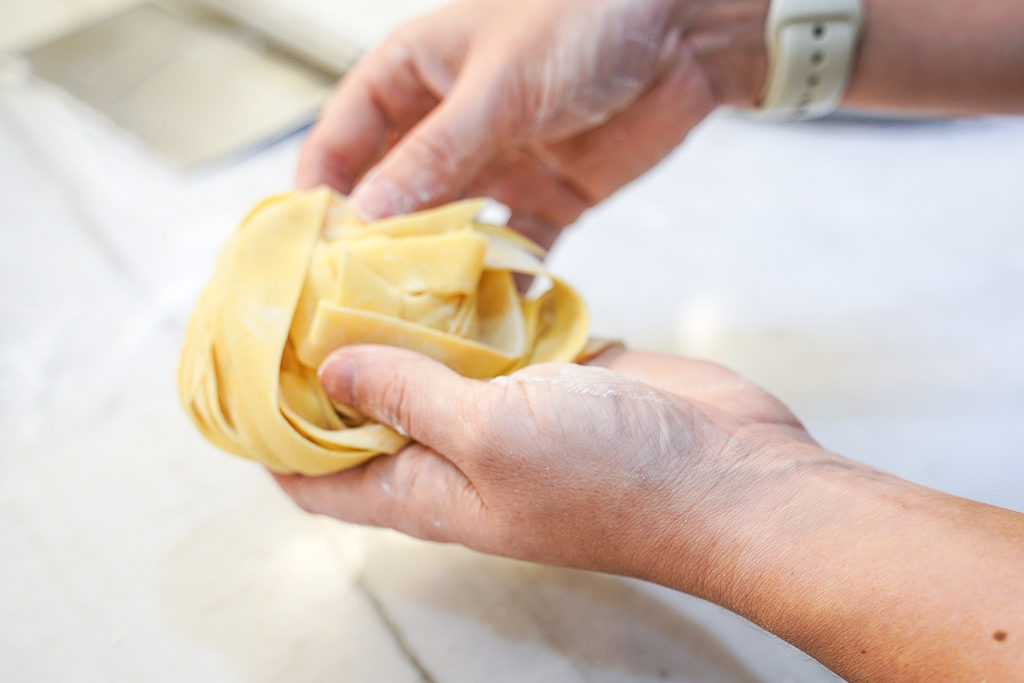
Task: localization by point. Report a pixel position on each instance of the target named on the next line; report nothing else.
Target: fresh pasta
(303, 275)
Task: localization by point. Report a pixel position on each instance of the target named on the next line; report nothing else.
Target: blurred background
(868, 271)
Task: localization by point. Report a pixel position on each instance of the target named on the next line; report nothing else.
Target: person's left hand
(682, 473)
(647, 466)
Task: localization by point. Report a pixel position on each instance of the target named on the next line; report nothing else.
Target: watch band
(811, 46)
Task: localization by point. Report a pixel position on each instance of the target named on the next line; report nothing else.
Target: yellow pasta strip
(303, 276)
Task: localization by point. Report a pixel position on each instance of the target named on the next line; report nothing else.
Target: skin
(707, 483)
(470, 101)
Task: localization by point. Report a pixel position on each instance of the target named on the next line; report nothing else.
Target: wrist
(876, 576)
(726, 38)
(752, 484)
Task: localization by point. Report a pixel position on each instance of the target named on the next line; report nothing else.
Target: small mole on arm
(863, 652)
(999, 635)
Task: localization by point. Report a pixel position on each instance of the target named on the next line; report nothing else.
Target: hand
(592, 467)
(548, 106)
(682, 473)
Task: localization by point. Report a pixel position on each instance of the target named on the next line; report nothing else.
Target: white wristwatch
(811, 46)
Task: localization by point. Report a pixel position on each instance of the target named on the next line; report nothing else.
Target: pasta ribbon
(304, 275)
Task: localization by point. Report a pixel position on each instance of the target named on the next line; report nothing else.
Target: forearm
(941, 55)
(878, 578)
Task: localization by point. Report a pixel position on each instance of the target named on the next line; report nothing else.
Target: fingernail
(338, 378)
(379, 198)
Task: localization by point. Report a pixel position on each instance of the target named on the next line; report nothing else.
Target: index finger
(416, 491)
(391, 89)
(359, 123)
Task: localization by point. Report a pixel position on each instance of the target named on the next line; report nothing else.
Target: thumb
(436, 160)
(411, 393)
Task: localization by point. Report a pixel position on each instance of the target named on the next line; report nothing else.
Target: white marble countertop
(869, 273)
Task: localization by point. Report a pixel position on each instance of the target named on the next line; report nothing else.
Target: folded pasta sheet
(303, 276)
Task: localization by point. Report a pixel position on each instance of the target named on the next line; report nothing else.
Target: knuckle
(484, 430)
(436, 150)
(379, 485)
(410, 503)
(397, 51)
(403, 36)
(394, 407)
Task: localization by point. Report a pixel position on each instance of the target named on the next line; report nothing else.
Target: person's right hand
(548, 106)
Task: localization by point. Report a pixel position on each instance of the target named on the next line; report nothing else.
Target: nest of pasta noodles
(303, 276)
